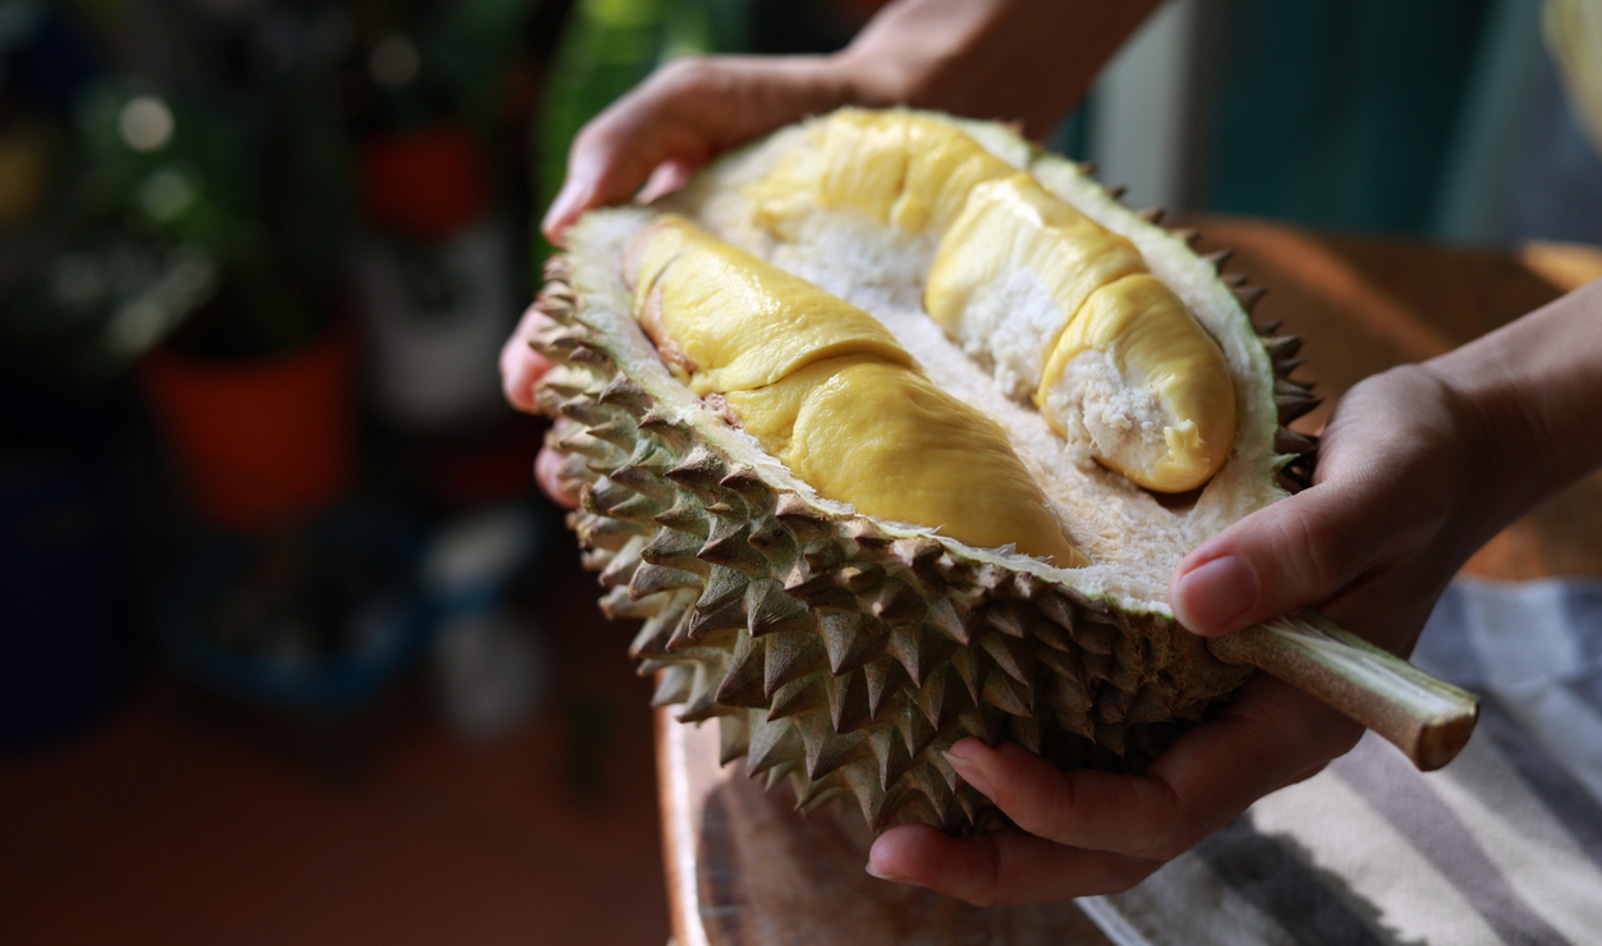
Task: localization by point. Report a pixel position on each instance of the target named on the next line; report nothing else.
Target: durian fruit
(877, 474)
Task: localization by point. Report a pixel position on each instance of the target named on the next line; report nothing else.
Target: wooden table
(743, 869)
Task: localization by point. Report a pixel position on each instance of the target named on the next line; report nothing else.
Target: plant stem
(1428, 719)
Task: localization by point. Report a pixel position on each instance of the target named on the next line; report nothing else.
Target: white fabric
(1502, 846)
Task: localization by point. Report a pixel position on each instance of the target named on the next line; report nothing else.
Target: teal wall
(1338, 113)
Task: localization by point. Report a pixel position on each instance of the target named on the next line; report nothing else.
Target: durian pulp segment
(732, 322)
(1133, 539)
(865, 428)
(886, 440)
(1141, 407)
(1134, 363)
(912, 172)
(1010, 237)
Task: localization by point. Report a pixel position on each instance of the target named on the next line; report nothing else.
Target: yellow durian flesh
(1138, 377)
(732, 322)
(1013, 267)
(1032, 260)
(827, 390)
(889, 442)
(912, 172)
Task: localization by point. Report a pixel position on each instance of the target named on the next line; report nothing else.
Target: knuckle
(1318, 554)
(1167, 848)
(990, 880)
(1046, 810)
(689, 74)
(1163, 808)
(597, 133)
(1173, 825)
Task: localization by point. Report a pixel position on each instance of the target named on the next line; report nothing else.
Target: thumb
(1295, 553)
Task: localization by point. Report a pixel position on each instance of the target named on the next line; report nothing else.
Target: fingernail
(1214, 594)
(970, 773)
(882, 874)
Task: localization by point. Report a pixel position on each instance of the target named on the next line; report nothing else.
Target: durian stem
(1428, 719)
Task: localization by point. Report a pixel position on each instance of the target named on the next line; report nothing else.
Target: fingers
(521, 369)
(1000, 867)
(682, 116)
(668, 177)
(1271, 736)
(1292, 554)
(522, 366)
(1388, 517)
(1086, 832)
(616, 152)
(1085, 808)
(548, 474)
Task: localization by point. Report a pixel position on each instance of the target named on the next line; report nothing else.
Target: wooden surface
(1364, 305)
(744, 869)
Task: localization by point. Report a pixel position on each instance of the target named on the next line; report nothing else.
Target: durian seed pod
(841, 653)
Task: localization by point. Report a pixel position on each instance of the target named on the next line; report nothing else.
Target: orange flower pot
(427, 183)
(261, 443)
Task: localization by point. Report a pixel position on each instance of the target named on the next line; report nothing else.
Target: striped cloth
(1502, 846)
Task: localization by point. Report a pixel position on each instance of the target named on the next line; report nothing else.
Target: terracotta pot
(262, 443)
(426, 183)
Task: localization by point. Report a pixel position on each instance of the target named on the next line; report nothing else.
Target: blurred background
(290, 649)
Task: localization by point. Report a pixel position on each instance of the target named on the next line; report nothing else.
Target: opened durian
(892, 429)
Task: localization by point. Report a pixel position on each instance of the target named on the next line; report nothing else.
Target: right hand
(1419, 466)
(1372, 543)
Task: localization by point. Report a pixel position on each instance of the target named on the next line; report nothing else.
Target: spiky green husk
(840, 653)
(833, 650)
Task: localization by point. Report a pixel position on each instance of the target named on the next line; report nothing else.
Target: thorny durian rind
(844, 653)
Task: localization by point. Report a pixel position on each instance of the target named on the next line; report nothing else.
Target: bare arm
(1493, 428)
(1023, 60)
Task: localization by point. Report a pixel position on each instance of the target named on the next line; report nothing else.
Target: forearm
(1024, 60)
(1531, 394)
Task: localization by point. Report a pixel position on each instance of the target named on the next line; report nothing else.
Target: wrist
(1488, 438)
(1530, 397)
(1028, 61)
(876, 75)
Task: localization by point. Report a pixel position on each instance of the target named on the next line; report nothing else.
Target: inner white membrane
(1133, 539)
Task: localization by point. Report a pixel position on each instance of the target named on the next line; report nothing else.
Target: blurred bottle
(436, 269)
(492, 669)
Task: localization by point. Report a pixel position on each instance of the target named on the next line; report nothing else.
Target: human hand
(987, 59)
(655, 137)
(522, 366)
(1396, 507)
(682, 116)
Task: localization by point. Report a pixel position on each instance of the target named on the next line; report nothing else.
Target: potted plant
(214, 255)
